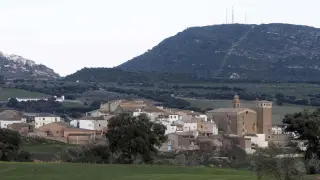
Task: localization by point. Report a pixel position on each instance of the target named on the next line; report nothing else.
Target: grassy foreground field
(33, 171)
(278, 111)
(6, 93)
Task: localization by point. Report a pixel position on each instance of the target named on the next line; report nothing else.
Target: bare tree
(278, 163)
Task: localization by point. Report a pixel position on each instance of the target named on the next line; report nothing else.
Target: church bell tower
(236, 102)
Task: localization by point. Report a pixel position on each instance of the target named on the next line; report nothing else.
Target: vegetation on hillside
(115, 75)
(254, 52)
(50, 106)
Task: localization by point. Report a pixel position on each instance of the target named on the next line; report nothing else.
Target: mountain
(273, 52)
(117, 75)
(17, 67)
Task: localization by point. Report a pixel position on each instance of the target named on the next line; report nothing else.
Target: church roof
(231, 110)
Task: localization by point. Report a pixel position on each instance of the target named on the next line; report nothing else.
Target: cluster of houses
(186, 130)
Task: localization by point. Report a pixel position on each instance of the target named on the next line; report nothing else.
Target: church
(243, 121)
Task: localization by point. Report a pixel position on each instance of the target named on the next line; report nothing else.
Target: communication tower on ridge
(232, 16)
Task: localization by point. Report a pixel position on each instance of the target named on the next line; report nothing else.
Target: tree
(306, 126)
(13, 102)
(278, 163)
(133, 137)
(9, 147)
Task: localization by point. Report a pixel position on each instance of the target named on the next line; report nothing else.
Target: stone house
(182, 141)
(22, 128)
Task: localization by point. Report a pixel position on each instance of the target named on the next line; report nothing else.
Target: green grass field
(278, 111)
(290, 89)
(33, 171)
(72, 104)
(45, 150)
(6, 93)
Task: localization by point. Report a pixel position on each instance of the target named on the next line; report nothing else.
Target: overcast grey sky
(68, 35)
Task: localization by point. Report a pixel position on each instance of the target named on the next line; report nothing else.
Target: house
(62, 131)
(133, 106)
(257, 140)
(187, 115)
(171, 117)
(190, 125)
(151, 111)
(9, 117)
(206, 128)
(92, 123)
(171, 128)
(182, 141)
(54, 129)
(42, 119)
(22, 128)
(81, 136)
(213, 143)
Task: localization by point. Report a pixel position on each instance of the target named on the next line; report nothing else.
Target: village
(186, 130)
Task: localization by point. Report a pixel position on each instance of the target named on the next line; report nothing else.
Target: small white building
(4, 123)
(42, 119)
(8, 117)
(153, 112)
(92, 123)
(169, 117)
(171, 128)
(258, 140)
(279, 130)
(59, 99)
(189, 125)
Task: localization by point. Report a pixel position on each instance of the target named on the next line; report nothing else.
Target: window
(43, 118)
(247, 112)
(99, 125)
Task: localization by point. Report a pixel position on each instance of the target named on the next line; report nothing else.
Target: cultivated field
(33, 171)
(6, 93)
(278, 111)
(42, 149)
(291, 89)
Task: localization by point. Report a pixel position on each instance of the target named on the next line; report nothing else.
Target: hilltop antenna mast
(232, 16)
(245, 18)
(226, 15)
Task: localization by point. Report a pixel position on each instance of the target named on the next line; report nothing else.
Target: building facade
(42, 119)
(242, 121)
(6, 123)
(264, 118)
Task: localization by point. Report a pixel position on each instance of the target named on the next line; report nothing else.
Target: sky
(67, 35)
